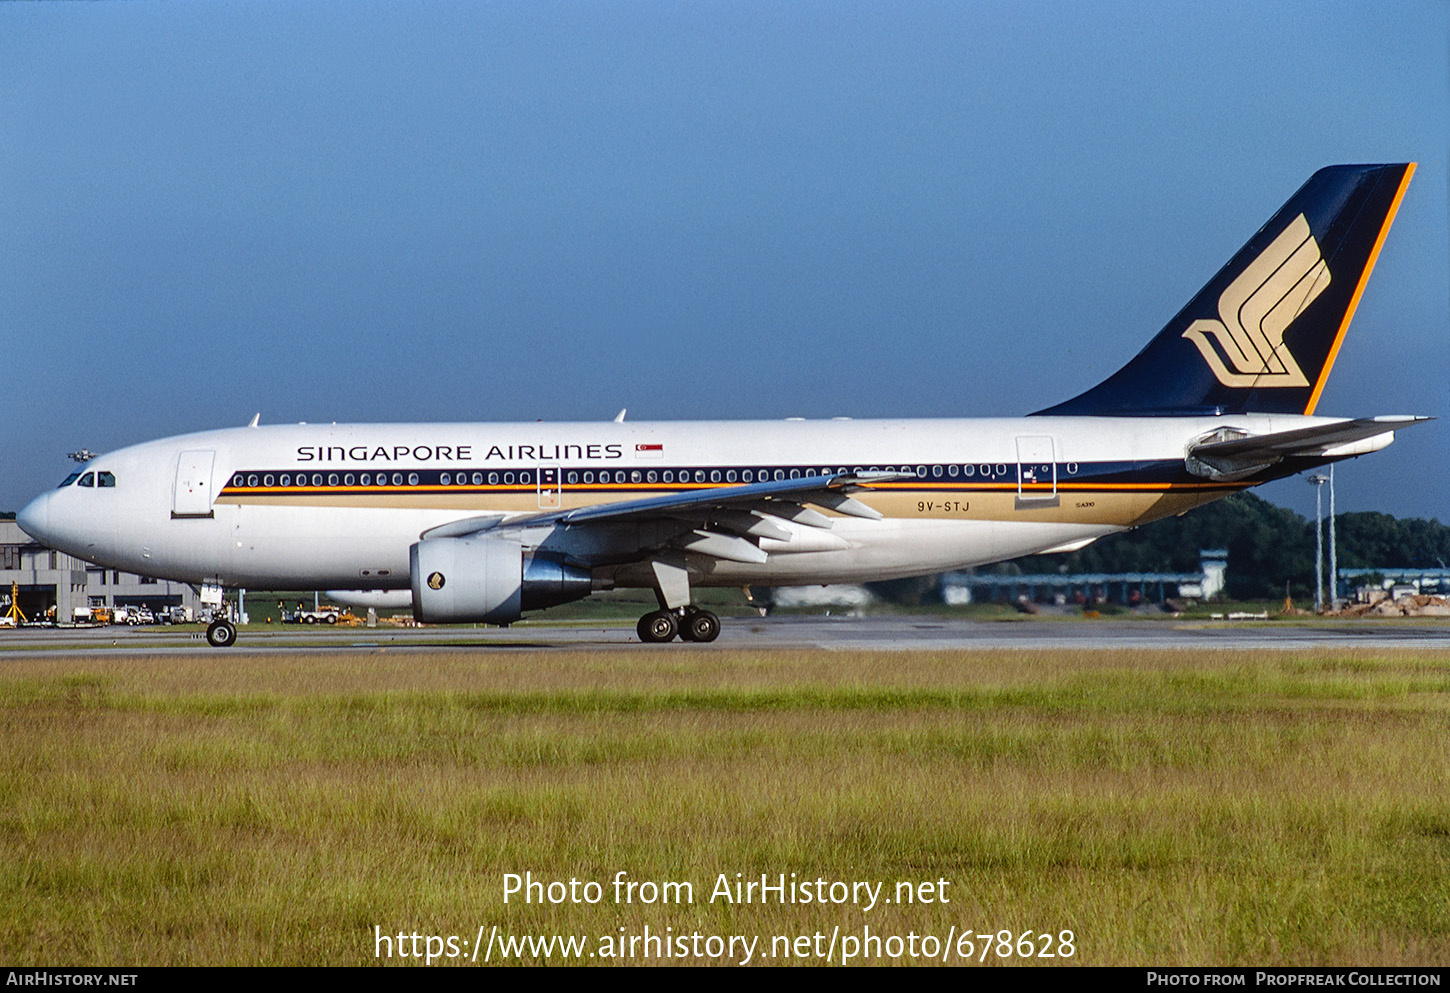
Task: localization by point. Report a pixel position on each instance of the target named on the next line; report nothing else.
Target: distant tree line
(1268, 546)
(1270, 549)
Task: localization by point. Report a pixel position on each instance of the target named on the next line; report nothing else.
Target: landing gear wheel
(700, 625)
(658, 626)
(221, 634)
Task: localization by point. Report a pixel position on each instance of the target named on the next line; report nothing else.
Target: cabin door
(193, 485)
(1036, 469)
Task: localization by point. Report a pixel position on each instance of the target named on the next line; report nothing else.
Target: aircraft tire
(221, 634)
(657, 626)
(700, 626)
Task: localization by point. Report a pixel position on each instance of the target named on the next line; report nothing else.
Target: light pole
(1318, 480)
(1333, 559)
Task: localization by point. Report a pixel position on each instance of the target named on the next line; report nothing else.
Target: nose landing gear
(221, 634)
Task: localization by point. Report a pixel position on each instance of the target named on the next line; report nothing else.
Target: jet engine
(490, 579)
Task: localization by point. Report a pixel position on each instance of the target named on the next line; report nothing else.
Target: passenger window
(105, 479)
(714, 476)
(366, 479)
(89, 479)
(573, 478)
(588, 477)
(524, 477)
(332, 479)
(795, 474)
(445, 479)
(478, 478)
(730, 476)
(699, 475)
(317, 479)
(747, 476)
(397, 479)
(669, 476)
(286, 480)
(651, 477)
(267, 480)
(936, 472)
(68, 480)
(412, 479)
(508, 478)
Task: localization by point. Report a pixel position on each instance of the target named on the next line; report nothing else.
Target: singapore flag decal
(649, 451)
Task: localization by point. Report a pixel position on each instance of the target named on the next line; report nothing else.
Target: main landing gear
(221, 634)
(690, 623)
(676, 616)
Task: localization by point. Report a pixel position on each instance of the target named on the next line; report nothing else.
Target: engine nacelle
(460, 580)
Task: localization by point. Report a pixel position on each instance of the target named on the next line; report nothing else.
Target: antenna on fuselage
(619, 417)
(83, 456)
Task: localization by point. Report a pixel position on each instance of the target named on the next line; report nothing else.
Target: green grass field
(1166, 807)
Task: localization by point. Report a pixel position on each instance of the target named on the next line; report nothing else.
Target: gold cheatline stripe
(1358, 290)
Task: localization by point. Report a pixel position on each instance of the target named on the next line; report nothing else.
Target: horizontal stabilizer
(1230, 454)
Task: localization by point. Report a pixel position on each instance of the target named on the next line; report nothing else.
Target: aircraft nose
(34, 518)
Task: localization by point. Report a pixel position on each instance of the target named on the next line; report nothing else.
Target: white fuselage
(338, 506)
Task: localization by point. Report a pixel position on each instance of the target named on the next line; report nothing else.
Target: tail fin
(1263, 334)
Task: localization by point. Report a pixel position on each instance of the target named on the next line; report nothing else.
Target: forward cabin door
(193, 485)
(1036, 471)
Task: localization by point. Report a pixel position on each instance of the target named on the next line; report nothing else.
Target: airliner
(486, 522)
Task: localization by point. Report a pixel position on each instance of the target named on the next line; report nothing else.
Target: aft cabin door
(1036, 470)
(193, 485)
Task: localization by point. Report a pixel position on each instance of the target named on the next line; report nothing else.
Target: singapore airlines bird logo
(1246, 347)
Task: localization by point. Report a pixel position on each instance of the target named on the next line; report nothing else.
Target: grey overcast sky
(500, 211)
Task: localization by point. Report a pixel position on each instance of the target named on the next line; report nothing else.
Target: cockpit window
(105, 479)
(68, 480)
(89, 479)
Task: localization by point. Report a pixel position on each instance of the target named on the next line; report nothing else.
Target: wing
(720, 521)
